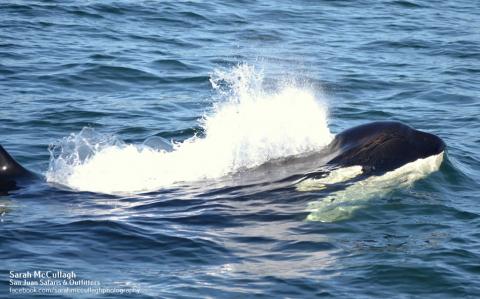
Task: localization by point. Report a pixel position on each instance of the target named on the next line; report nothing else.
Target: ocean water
(151, 122)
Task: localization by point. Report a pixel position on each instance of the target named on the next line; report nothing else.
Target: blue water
(137, 69)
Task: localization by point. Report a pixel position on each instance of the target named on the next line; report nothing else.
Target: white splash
(340, 205)
(249, 127)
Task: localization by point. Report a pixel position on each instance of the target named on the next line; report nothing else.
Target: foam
(247, 127)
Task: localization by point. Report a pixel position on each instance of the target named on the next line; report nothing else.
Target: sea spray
(249, 126)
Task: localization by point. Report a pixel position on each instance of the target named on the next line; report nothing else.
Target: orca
(369, 161)
(365, 150)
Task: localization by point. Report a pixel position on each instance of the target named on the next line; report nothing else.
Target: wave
(248, 126)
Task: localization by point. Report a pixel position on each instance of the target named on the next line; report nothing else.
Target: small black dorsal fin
(9, 167)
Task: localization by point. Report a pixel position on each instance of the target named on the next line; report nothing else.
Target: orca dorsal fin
(9, 168)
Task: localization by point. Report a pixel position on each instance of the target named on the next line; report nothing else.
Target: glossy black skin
(382, 146)
(12, 174)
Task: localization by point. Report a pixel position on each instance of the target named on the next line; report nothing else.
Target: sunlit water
(166, 112)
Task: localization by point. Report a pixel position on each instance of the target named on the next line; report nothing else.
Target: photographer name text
(48, 278)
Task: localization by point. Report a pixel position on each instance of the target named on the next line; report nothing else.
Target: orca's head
(426, 144)
(384, 146)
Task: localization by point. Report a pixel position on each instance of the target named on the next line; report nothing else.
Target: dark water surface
(138, 69)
